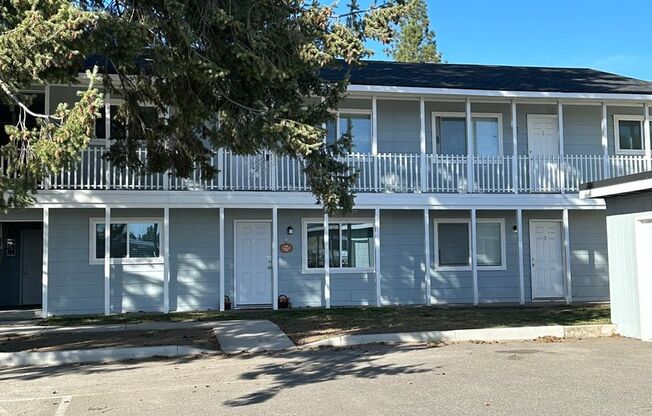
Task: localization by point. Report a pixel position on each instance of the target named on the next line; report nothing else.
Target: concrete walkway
(251, 336)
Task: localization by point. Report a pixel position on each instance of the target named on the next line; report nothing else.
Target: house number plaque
(286, 248)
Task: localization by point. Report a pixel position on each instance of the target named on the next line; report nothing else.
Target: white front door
(543, 149)
(253, 262)
(546, 259)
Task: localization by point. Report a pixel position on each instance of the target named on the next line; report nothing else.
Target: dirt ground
(69, 340)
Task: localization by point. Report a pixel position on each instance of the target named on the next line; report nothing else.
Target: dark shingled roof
(490, 77)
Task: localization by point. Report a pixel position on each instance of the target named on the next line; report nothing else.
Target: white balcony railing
(386, 172)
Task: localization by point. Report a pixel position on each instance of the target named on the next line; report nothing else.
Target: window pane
(360, 127)
(358, 245)
(489, 244)
(334, 244)
(453, 244)
(315, 249)
(485, 134)
(629, 132)
(100, 124)
(331, 132)
(451, 135)
(118, 241)
(144, 240)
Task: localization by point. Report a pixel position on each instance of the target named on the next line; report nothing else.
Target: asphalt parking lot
(585, 377)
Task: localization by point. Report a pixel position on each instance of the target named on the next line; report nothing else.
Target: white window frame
(304, 246)
(95, 141)
(435, 114)
(436, 223)
(467, 221)
(625, 117)
(126, 260)
(354, 111)
(503, 243)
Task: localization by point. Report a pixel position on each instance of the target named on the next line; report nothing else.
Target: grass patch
(311, 324)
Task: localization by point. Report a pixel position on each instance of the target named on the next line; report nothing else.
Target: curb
(98, 355)
(146, 326)
(466, 335)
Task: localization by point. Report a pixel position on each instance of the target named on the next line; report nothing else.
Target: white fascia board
(617, 189)
(380, 89)
(305, 200)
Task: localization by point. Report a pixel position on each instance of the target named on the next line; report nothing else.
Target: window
(351, 245)
(359, 123)
(117, 127)
(137, 240)
(453, 250)
(450, 133)
(491, 243)
(629, 135)
(10, 113)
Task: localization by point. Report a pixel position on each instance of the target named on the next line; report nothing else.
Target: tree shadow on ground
(300, 368)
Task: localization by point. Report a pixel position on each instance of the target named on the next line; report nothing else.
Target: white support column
(166, 260)
(567, 258)
(377, 254)
(374, 142)
(521, 270)
(426, 240)
(275, 258)
(514, 148)
(469, 148)
(422, 144)
(222, 268)
(327, 266)
(605, 141)
(107, 261)
(646, 135)
(562, 164)
(46, 262)
(47, 180)
(474, 256)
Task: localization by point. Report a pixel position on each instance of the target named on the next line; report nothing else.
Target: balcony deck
(381, 173)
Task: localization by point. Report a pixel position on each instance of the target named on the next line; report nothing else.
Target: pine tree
(415, 41)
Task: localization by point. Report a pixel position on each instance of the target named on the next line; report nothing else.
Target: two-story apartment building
(467, 194)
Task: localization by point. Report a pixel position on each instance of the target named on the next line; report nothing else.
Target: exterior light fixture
(290, 230)
(515, 229)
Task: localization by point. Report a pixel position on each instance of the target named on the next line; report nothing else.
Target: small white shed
(629, 235)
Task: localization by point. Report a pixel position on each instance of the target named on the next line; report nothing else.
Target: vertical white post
(469, 148)
(422, 144)
(275, 258)
(562, 163)
(514, 148)
(222, 268)
(605, 142)
(107, 139)
(166, 260)
(374, 142)
(46, 263)
(521, 270)
(377, 254)
(426, 240)
(327, 266)
(646, 135)
(107, 261)
(567, 258)
(46, 109)
(474, 256)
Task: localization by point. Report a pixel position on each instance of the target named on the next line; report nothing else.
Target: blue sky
(614, 36)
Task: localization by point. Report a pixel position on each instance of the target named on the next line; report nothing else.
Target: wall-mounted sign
(285, 248)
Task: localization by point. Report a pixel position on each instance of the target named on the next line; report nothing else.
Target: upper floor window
(449, 130)
(628, 131)
(351, 245)
(117, 128)
(358, 122)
